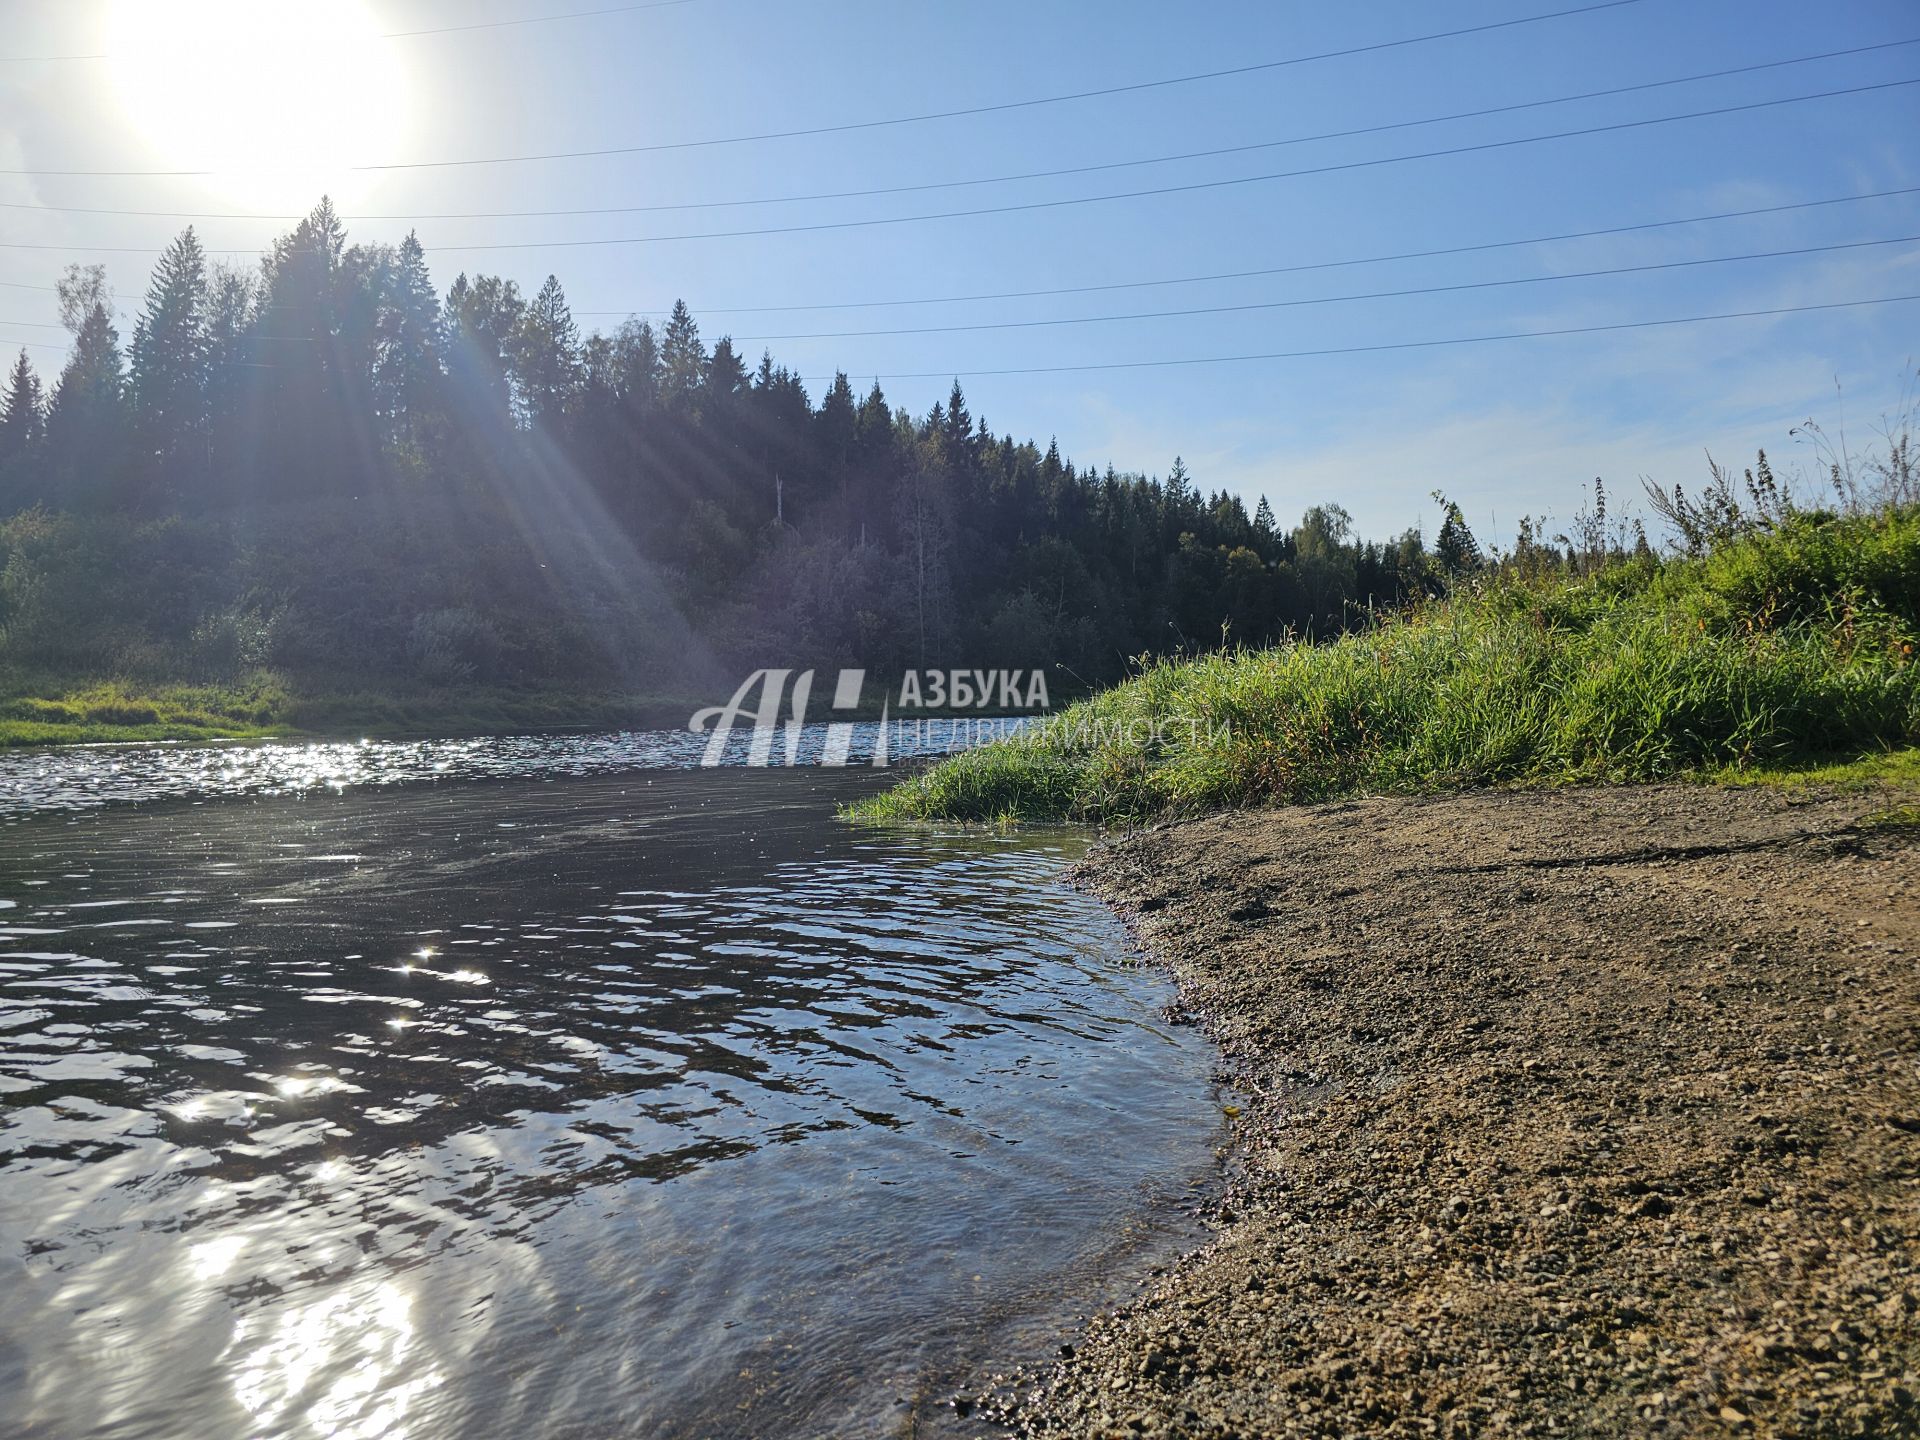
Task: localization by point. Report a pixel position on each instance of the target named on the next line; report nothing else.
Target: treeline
(324, 464)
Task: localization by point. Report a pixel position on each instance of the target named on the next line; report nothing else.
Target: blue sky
(1509, 428)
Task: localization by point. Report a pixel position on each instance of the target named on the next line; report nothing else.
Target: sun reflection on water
(336, 1367)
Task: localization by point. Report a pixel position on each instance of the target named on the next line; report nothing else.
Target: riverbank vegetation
(1779, 634)
(326, 475)
(47, 709)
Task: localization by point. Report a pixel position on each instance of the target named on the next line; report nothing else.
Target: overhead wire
(1287, 304)
(1334, 350)
(1476, 247)
(1298, 302)
(1296, 269)
(1326, 351)
(998, 107)
(931, 185)
(1034, 205)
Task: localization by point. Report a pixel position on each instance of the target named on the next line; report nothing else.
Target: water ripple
(584, 1106)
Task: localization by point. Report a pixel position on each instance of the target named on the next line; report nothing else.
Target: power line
(1000, 107)
(924, 186)
(403, 34)
(1030, 205)
(1273, 304)
(1301, 268)
(1272, 269)
(1375, 349)
(1324, 352)
(1335, 299)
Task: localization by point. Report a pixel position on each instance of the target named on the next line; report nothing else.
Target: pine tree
(169, 381)
(22, 412)
(1263, 520)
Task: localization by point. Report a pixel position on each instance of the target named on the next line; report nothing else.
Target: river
(555, 1087)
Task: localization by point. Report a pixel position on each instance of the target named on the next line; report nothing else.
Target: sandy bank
(1582, 1112)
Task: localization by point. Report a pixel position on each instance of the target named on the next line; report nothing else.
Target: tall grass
(1796, 641)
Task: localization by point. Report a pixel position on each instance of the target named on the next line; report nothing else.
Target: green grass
(53, 714)
(43, 710)
(1886, 769)
(1780, 648)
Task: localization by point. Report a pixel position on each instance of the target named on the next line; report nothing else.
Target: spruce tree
(726, 377)
(87, 419)
(546, 355)
(483, 316)
(682, 358)
(409, 341)
(22, 412)
(169, 381)
(1455, 548)
(637, 352)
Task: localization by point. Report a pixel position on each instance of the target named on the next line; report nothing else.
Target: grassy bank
(1776, 649)
(45, 710)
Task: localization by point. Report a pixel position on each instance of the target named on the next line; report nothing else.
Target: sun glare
(280, 97)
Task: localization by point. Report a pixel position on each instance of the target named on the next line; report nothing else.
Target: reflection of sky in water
(83, 776)
(591, 1107)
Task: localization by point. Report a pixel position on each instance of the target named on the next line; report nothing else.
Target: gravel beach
(1581, 1112)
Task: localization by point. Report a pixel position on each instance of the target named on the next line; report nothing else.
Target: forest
(327, 468)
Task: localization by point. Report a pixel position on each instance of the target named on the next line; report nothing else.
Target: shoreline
(1588, 1112)
(116, 715)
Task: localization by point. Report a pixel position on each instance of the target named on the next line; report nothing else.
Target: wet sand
(1589, 1112)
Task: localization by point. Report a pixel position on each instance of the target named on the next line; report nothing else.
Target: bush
(452, 646)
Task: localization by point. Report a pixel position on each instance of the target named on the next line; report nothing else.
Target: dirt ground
(1586, 1112)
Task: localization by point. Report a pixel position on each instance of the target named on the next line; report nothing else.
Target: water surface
(645, 1102)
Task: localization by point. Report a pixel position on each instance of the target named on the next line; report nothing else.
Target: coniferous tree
(957, 427)
(22, 413)
(836, 427)
(169, 377)
(409, 342)
(335, 376)
(483, 316)
(682, 358)
(87, 419)
(312, 442)
(546, 356)
(637, 354)
(1455, 548)
(726, 375)
(233, 377)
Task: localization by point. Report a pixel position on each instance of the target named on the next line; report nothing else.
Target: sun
(279, 98)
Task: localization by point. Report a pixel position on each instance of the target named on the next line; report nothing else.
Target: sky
(284, 99)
